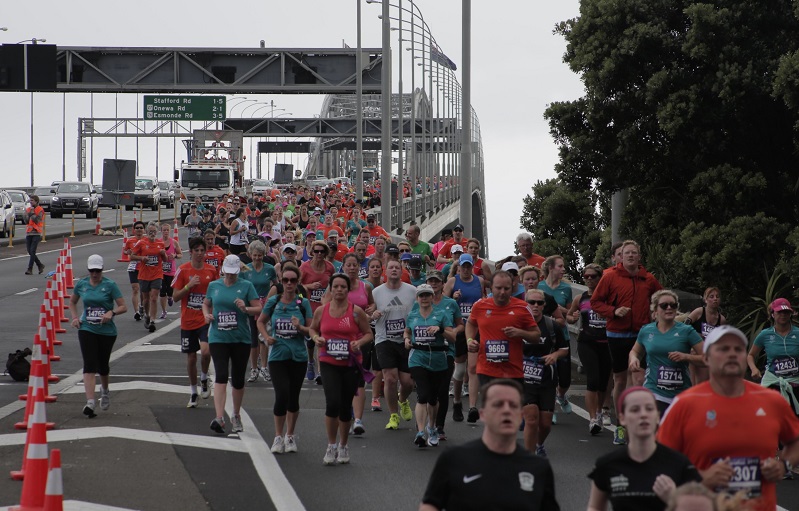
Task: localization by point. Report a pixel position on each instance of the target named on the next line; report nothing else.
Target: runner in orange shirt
(133, 270)
(374, 230)
(214, 255)
(445, 254)
(150, 252)
(524, 243)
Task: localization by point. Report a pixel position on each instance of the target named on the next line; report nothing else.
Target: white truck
(214, 168)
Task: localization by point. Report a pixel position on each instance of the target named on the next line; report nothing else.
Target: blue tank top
(470, 293)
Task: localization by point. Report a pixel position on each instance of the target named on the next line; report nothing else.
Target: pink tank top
(338, 333)
(310, 275)
(170, 267)
(358, 296)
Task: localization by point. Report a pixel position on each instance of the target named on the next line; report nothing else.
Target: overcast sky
(517, 70)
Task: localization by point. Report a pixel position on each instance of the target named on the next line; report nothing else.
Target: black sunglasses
(95, 270)
(590, 276)
(289, 281)
(537, 302)
(668, 305)
(320, 251)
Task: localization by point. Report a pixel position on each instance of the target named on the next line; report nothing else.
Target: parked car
(21, 202)
(76, 196)
(167, 193)
(7, 215)
(262, 185)
(146, 192)
(99, 191)
(45, 194)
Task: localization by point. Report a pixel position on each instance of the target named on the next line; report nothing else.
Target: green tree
(694, 107)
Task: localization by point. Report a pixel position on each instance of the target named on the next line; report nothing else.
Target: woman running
(339, 329)
(169, 265)
(239, 227)
(554, 269)
(316, 274)
(263, 277)
(704, 319)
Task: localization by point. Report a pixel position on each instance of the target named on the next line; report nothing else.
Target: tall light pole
(466, 134)
(385, 125)
(25, 57)
(359, 111)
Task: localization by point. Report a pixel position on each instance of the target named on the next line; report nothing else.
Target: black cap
(416, 262)
(445, 232)
(370, 215)
(458, 227)
(392, 249)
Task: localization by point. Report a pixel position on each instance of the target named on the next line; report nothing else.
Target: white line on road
(28, 291)
(157, 347)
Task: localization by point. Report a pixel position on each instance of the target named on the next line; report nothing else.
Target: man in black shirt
(493, 472)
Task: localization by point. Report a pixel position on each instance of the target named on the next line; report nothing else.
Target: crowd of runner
(306, 285)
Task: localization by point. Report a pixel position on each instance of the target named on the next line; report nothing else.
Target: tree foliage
(694, 107)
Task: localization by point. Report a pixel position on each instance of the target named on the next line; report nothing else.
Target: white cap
(456, 248)
(510, 265)
(232, 265)
(720, 331)
(288, 246)
(424, 288)
(95, 262)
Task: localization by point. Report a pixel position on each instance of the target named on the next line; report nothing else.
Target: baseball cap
(510, 266)
(370, 216)
(780, 304)
(720, 331)
(232, 264)
(435, 274)
(456, 248)
(95, 262)
(424, 288)
(406, 256)
(392, 249)
(466, 258)
(332, 233)
(289, 246)
(310, 233)
(415, 262)
(458, 227)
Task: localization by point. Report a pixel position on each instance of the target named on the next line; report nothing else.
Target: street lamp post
(466, 134)
(25, 57)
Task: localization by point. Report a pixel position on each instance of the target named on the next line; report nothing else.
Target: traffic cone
(44, 369)
(48, 340)
(63, 296)
(124, 257)
(54, 491)
(97, 226)
(34, 383)
(175, 234)
(55, 306)
(69, 278)
(49, 318)
(34, 465)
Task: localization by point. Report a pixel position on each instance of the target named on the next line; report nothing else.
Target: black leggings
(166, 286)
(595, 357)
(565, 371)
(340, 384)
(96, 350)
(287, 377)
(443, 394)
(427, 384)
(230, 354)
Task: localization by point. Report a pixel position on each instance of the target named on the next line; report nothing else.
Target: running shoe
(88, 410)
(441, 435)
(253, 375)
(473, 415)
(451, 389)
(310, 374)
(432, 437)
(393, 421)
(290, 444)
(205, 391)
(420, 440)
(278, 445)
(465, 390)
(163, 315)
(376, 405)
(137, 316)
(146, 321)
(105, 399)
(330, 455)
(620, 436)
(192, 401)
(265, 374)
(151, 328)
(554, 417)
(594, 427)
(170, 301)
(357, 428)
(141, 310)
(218, 425)
(457, 412)
(606, 417)
(235, 424)
(540, 451)
(318, 379)
(405, 410)
(564, 403)
(343, 455)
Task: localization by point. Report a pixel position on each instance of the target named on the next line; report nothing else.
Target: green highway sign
(184, 108)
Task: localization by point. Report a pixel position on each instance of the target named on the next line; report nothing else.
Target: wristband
(186, 287)
(470, 339)
(113, 313)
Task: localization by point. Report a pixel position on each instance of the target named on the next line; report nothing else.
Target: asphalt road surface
(150, 452)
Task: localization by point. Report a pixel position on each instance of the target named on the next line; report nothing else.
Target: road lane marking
(156, 347)
(27, 291)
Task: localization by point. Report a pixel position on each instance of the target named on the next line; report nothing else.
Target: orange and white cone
(34, 465)
(175, 233)
(55, 306)
(54, 490)
(97, 226)
(47, 340)
(34, 383)
(69, 278)
(124, 257)
(49, 316)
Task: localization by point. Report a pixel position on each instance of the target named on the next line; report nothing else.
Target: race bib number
(284, 328)
(372, 240)
(421, 336)
(339, 349)
(706, 329)
(785, 366)
(497, 351)
(152, 260)
(466, 309)
(316, 294)
(395, 326)
(669, 378)
(595, 320)
(94, 315)
(213, 262)
(533, 371)
(745, 476)
(363, 273)
(166, 266)
(133, 265)
(226, 320)
(195, 301)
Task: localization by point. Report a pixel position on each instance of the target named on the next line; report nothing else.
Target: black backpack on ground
(17, 366)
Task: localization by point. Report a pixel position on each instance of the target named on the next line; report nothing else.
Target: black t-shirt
(552, 339)
(471, 477)
(628, 484)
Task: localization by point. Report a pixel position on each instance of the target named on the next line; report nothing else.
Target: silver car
(21, 202)
(45, 194)
(7, 215)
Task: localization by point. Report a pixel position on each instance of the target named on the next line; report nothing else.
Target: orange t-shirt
(150, 268)
(191, 306)
(446, 250)
(500, 356)
(376, 231)
(129, 245)
(325, 229)
(215, 257)
(536, 260)
(706, 427)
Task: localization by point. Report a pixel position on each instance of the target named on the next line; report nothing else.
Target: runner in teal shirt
(229, 324)
(98, 299)
(289, 341)
(417, 326)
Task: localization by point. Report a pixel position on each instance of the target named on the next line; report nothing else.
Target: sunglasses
(94, 270)
(590, 276)
(320, 251)
(289, 251)
(668, 305)
(537, 302)
(406, 251)
(290, 281)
